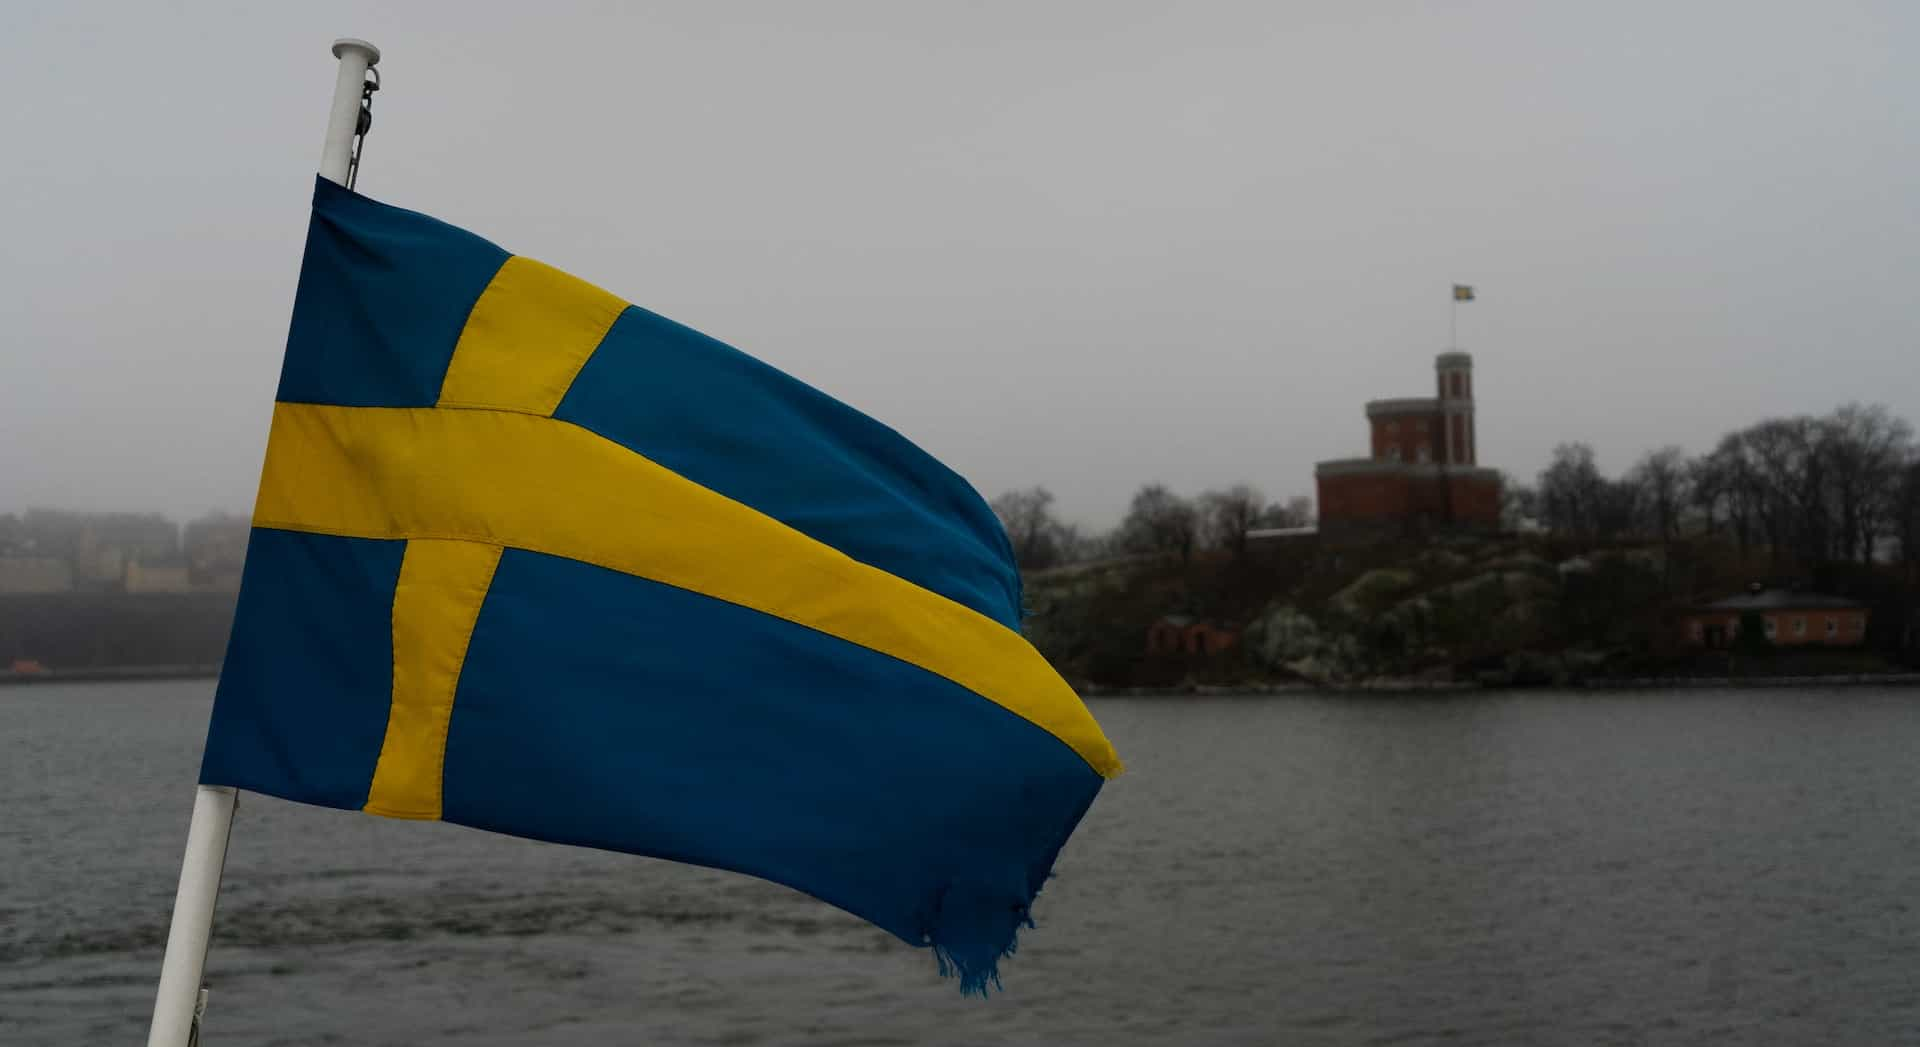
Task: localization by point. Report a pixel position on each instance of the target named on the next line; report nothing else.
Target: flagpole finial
(350, 43)
(343, 117)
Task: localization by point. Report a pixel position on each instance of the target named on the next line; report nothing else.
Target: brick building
(1180, 634)
(1422, 473)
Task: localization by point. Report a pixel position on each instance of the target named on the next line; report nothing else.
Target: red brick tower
(1454, 375)
(1423, 473)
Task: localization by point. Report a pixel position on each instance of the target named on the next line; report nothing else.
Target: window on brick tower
(1424, 453)
(1393, 452)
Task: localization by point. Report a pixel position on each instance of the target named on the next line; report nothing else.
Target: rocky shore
(1418, 617)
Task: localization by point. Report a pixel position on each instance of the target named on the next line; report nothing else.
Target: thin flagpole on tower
(180, 1000)
(1461, 293)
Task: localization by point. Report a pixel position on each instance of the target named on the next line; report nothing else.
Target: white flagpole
(176, 1006)
(178, 1002)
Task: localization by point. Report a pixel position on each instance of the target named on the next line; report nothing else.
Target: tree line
(1808, 490)
(1157, 521)
(1839, 488)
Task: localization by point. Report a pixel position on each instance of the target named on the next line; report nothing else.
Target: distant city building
(1789, 619)
(157, 578)
(98, 566)
(111, 539)
(35, 574)
(1422, 474)
(96, 547)
(216, 548)
(55, 550)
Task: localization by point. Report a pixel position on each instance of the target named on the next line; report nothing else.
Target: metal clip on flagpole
(180, 1001)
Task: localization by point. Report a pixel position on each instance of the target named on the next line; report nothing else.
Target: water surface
(1582, 869)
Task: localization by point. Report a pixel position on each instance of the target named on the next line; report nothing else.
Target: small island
(1789, 553)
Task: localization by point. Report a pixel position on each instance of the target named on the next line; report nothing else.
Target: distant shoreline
(137, 673)
(1834, 680)
(117, 673)
(1419, 687)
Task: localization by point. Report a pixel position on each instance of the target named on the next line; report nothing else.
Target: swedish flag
(531, 559)
(1462, 293)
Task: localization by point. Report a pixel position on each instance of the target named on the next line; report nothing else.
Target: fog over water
(1079, 244)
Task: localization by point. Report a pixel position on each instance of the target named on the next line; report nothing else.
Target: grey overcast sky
(1086, 245)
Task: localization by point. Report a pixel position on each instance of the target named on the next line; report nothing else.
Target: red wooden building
(1787, 619)
(1179, 634)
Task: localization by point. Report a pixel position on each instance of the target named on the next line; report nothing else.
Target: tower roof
(1403, 405)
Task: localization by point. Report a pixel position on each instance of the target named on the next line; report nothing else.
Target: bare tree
(1519, 505)
(1616, 508)
(1572, 492)
(1296, 511)
(1788, 461)
(1159, 521)
(1082, 546)
(1906, 517)
(1867, 447)
(1228, 515)
(1706, 488)
(1818, 489)
(1728, 487)
(1662, 488)
(1035, 535)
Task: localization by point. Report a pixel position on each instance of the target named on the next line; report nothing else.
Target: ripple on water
(1535, 869)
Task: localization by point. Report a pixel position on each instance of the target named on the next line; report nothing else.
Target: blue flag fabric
(534, 560)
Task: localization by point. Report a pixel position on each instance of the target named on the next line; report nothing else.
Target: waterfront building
(216, 550)
(1789, 619)
(1181, 634)
(144, 577)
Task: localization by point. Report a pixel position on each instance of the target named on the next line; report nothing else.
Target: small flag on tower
(1462, 293)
